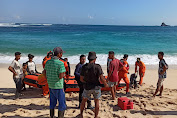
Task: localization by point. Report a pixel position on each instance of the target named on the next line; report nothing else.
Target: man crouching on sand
(90, 75)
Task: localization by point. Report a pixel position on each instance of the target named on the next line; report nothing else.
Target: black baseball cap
(17, 53)
(30, 56)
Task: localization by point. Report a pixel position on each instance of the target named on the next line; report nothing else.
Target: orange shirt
(45, 60)
(141, 65)
(66, 67)
(126, 65)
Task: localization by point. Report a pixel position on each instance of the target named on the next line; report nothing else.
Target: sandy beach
(32, 104)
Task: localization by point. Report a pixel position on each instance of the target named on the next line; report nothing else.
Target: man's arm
(12, 70)
(102, 79)
(109, 74)
(120, 65)
(82, 79)
(61, 75)
(77, 71)
(164, 69)
(135, 67)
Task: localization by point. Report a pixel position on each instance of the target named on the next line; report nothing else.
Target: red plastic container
(125, 103)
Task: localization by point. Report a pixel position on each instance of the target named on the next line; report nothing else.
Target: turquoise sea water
(137, 41)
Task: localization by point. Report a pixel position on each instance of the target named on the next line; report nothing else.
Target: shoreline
(151, 75)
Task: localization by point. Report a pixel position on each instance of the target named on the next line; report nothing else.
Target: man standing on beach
(142, 69)
(115, 66)
(162, 74)
(80, 84)
(91, 73)
(55, 72)
(17, 71)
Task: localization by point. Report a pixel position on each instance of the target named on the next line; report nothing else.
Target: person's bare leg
(112, 92)
(84, 100)
(161, 90)
(115, 89)
(96, 107)
(157, 90)
(141, 80)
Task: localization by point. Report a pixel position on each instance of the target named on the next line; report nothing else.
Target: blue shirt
(78, 71)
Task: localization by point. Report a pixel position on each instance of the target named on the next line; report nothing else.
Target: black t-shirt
(91, 73)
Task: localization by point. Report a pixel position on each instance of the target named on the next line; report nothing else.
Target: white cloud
(90, 17)
(17, 17)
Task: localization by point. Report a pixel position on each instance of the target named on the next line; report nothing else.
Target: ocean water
(136, 41)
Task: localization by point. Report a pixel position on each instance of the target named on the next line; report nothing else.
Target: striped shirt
(53, 68)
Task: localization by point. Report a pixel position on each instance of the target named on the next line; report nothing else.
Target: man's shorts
(111, 84)
(160, 82)
(95, 92)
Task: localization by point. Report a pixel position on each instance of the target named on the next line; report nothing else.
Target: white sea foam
(101, 59)
(21, 24)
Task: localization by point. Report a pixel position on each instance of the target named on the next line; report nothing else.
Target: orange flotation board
(72, 86)
(37, 81)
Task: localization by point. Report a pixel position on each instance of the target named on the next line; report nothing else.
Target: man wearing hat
(90, 75)
(31, 66)
(142, 69)
(55, 72)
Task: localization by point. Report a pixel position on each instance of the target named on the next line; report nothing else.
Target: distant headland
(163, 24)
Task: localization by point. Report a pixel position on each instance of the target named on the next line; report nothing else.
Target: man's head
(66, 59)
(17, 55)
(58, 52)
(82, 59)
(24, 65)
(160, 55)
(30, 57)
(138, 60)
(50, 54)
(111, 55)
(125, 56)
(92, 57)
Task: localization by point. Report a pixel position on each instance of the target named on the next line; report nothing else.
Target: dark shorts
(57, 94)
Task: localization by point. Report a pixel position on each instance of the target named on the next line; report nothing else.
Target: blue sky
(106, 12)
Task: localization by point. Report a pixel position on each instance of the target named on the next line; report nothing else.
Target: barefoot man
(90, 75)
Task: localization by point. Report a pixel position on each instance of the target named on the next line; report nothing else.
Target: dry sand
(32, 104)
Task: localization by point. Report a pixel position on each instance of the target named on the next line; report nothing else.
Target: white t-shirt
(16, 66)
(32, 67)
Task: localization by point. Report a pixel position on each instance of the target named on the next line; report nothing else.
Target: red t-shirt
(114, 66)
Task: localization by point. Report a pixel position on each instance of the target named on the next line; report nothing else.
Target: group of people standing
(88, 77)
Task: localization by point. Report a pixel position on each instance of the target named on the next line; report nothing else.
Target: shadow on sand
(27, 94)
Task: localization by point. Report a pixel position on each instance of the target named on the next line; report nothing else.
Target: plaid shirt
(53, 68)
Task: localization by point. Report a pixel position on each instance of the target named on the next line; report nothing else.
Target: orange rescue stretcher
(39, 81)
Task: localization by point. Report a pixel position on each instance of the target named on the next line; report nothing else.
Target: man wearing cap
(90, 75)
(31, 66)
(17, 71)
(142, 69)
(55, 72)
